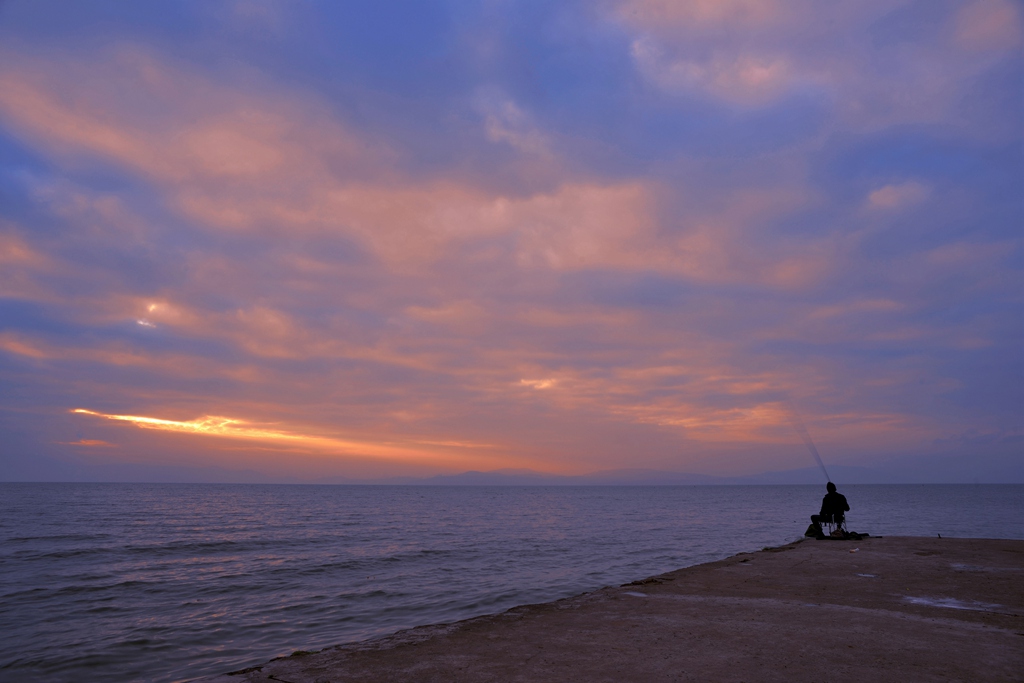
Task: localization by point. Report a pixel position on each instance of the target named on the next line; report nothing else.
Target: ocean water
(157, 582)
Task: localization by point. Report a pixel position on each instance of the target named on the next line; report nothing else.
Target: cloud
(692, 217)
(506, 122)
(16, 344)
(871, 63)
(736, 52)
(268, 15)
(180, 128)
(21, 266)
(745, 79)
(90, 443)
(238, 164)
(703, 14)
(230, 428)
(898, 196)
(228, 160)
(989, 25)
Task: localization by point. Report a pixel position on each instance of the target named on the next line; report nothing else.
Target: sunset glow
(569, 237)
(228, 428)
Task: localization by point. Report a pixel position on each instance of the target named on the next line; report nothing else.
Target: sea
(169, 582)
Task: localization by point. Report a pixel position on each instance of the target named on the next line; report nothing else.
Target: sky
(311, 240)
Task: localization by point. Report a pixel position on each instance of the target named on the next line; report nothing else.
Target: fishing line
(798, 425)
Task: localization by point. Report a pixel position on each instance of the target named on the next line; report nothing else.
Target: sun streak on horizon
(231, 428)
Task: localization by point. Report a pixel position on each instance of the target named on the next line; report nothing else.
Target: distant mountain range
(942, 469)
(632, 477)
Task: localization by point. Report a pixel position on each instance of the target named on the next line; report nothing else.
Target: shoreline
(883, 609)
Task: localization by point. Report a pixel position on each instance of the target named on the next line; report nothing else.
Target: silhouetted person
(833, 508)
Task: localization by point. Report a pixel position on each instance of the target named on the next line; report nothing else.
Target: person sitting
(833, 511)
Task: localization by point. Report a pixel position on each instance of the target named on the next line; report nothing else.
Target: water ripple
(168, 582)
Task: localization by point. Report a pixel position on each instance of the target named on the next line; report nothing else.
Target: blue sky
(310, 240)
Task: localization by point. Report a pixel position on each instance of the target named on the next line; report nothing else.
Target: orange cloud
(171, 124)
(230, 428)
(18, 345)
(89, 443)
(752, 53)
(14, 251)
(661, 14)
(898, 196)
(241, 160)
(22, 268)
(989, 25)
(234, 160)
(746, 79)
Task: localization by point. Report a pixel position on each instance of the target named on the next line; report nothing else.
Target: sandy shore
(878, 609)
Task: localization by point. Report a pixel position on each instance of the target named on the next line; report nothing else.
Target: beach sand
(877, 609)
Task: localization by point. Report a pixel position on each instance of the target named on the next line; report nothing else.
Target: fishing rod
(798, 425)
